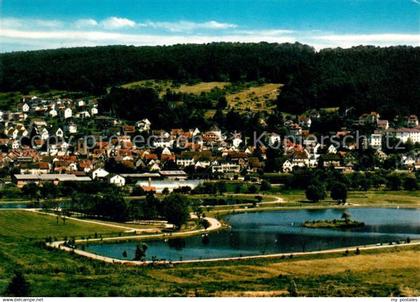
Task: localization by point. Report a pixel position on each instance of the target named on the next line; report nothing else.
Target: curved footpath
(214, 225)
(126, 228)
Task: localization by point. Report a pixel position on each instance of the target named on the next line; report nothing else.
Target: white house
(375, 140)
(83, 114)
(117, 180)
(274, 139)
(72, 128)
(412, 121)
(59, 133)
(143, 125)
(25, 107)
(53, 113)
(99, 173)
(287, 166)
(94, 111)
(237, 141)
(166, 151)
(332, 149)
(16, 144)
(405, 134)
(185, 162)
(226, 168)
(68, 113)
(196, 132)
(44, 134)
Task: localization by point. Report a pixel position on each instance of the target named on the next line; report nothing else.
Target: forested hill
(368, 78)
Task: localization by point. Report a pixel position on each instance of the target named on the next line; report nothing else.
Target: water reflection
(280, 232)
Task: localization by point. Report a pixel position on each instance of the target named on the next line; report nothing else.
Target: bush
(265, 186)
(315, 192)
(410, 183)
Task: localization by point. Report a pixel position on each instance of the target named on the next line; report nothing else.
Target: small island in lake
(344, 223)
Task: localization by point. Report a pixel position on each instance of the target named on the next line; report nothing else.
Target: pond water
(278, 232)
(16, 205)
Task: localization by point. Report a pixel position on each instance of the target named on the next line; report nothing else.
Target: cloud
(28, 34)
(83, 23)
(117, 23)
(30, 23)
(187, 26)
(385, 39)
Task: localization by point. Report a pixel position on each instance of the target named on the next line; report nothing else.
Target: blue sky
(38, 24)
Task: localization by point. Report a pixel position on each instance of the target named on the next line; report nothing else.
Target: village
(65, 140)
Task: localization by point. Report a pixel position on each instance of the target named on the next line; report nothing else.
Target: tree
(140, 252)
(138, 191)
(393, 181)
(346, 216)
(205, 223)
(221, 187)
(48, 190)
(18, 286)
(315, 193)
(175, 209)
(31, 190)
(292, 289)
(258, 199)
(238, 189)
(265, 185)
(339, 192)
(252, 189)
(410, 183)
(222, 102)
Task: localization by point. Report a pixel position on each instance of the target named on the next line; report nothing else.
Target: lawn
(56, 273)
(362, 198)
(30, 225)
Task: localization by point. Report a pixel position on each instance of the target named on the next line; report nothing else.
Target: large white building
(405, 134)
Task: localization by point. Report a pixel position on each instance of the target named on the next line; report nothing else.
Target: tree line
(365, 77)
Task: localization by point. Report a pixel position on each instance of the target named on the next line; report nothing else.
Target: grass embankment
(56, 273)
(358, 198)
(31, 225)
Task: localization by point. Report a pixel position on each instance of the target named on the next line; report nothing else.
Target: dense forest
(365, 77)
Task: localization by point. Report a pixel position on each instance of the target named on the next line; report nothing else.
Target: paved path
(137, 263)
(214, 225)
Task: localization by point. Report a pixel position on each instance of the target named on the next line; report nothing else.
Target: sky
(42, 24)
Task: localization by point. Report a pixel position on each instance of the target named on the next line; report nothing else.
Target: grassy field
(391, 272)
(30, 225)
(252, 97)
(162, 86)
(369, 198)
(258, 98)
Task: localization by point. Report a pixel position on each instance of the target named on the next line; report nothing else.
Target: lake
(272, 232)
